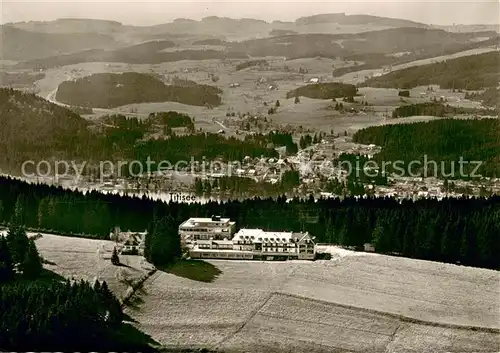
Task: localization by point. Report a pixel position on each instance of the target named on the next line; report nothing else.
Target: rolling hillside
(343, 19)
(18, 44)
(371, 48)
(443, 140)
(38, 39)
(470, 72)
(34, 128)
(70, 25)
(144, 53)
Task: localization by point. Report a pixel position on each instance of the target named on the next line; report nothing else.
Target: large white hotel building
(215, 228)
(215, 238)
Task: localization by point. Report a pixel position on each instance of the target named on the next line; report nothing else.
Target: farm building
(258, 244)
(131, 242)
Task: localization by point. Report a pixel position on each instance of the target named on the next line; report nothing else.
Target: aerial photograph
(250, 177)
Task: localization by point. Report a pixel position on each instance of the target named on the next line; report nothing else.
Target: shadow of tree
(48, 275)
(48, 262)
(134, 340)
(196, 270)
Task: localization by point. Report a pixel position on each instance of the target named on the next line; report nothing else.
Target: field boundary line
(243, 324)
(400, 317)
(393, 337)
(130, 292)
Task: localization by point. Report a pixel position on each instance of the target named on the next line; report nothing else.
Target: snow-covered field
(355, 302)
(89, 259)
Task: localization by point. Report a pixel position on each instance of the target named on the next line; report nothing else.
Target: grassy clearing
(285, 323)
(89, 259)
(354, 302)
(196, 270)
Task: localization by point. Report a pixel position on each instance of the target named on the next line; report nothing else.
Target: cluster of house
(216, 238)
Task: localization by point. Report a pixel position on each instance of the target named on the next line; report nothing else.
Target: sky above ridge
(154, 12)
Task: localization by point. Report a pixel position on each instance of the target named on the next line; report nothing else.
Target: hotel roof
(193, 222)
(258, 235)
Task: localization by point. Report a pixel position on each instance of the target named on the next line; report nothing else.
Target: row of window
(227, 255)
(204, 230)
(265, 248)
(208, 246)
(277, 250)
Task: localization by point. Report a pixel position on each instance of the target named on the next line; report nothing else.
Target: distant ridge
(342, 18)
(69, 25)
(37, 40)
(339, 18)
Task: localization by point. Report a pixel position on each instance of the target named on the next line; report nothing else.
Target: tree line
(450, 230)
(443, 141)
(276, 138)
(41, 311)
(308, 140)
(438, 109)
(172, 119)
(473, 72)
(236, 186)
(250, 63)
(328, 90)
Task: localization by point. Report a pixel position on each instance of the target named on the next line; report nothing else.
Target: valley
(132, 156)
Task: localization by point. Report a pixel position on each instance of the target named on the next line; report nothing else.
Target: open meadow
(89, 259)
(354, 302)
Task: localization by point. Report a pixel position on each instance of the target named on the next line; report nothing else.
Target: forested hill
(106, 90)
(18, 44)
(451, 230)
(342, 18)
(473, 72)
(438, 109)
(441, 140)
(32, 127)
(324, 91)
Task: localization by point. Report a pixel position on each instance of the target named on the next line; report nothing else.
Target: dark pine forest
(451, 230)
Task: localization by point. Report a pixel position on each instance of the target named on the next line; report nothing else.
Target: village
(316, 166)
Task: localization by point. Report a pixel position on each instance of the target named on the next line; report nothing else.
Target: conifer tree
(18, 242)
(115, 313)
(115, 259)
(6, 265)
(31, 266)
(165, 246)
(18, 216)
